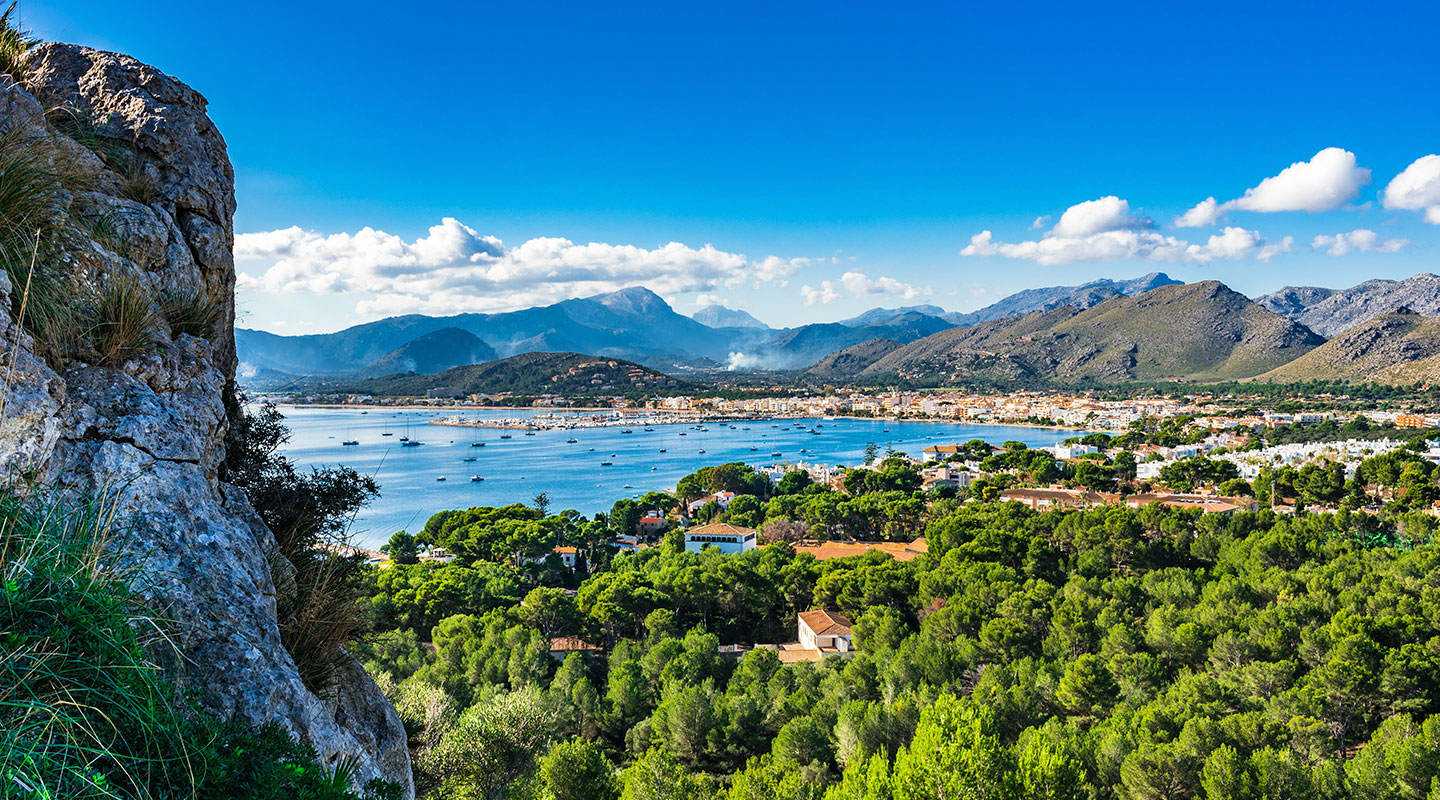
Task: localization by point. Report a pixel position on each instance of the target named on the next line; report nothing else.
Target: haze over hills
(1187, 331)
(1330, 311)
(1398, 347)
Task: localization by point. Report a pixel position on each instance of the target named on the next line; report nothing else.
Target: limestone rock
(148, 435)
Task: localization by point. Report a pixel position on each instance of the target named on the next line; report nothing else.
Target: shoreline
(637, 416)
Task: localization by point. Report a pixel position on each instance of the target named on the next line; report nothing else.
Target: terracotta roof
(826, 623)
(564, 549)
(571, 644)
(720, 529)
(900, 551)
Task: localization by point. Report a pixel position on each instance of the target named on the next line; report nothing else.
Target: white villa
(730, 539)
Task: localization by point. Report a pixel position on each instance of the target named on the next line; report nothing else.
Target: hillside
(1398, 347)
(1192, 331)
(527, 373)
(854, 359)
(799, 347)
(436, 351)
(1331, 311)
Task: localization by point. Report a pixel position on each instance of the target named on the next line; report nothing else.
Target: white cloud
(1269, 251)
(1358, 241)
(1324, 183)
(1203, 215)
(453, 268)
(1040, 222)
(1232, 243)
(1098, 216)
(859, 284)
(825, 295)
(1417, 188)
(705, 299)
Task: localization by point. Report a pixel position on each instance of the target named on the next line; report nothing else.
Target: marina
(574, 473)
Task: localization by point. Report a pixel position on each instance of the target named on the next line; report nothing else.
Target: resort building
(1040, 499)
(730, 539)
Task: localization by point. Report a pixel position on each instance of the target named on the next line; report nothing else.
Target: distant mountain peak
(718, 316)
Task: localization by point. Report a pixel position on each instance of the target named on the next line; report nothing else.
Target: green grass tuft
(125, 318)
(190, 312)
(14, 43)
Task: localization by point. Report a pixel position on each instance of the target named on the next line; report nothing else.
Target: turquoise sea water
(518, 468)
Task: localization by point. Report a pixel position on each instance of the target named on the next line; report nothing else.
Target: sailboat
(406, 441)
(348, 441)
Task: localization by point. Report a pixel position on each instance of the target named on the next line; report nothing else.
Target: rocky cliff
(140, 195)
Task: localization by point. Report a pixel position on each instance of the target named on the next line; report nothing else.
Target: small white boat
(476, 479)
(440, 479)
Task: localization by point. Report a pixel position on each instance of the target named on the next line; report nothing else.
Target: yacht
(529, 433)
(387, 433)
(477, 444)
(702, 451)
(350, 443)
(662, 449)
(775, 454)
(504, 436)
(468, 458)
(410, 443)
(440, 479)
(572, 441)
(606, 464)
(627, 431)
(476, 479)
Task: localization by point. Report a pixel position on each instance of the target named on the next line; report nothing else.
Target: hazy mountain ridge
(436, 351)
(718, 316)
(1189, 331)
(1331, 311)
(1082, 296)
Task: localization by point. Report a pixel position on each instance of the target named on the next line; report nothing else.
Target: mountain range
(1194, 331)
(1148, 328)
(1330, 311)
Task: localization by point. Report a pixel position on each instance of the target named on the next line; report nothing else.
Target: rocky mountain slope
(1189, 331)
(436, 351)
(1331, 311)
(138, 199)
(853, 360)
(1398, 347)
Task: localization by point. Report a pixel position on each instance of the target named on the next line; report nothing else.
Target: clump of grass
(136, 182)
(124, 319)
(14, 43)
(31, 246)
(85, 710)
(190, 311)
(80, 698)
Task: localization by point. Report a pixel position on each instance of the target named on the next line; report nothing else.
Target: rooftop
(826, 623)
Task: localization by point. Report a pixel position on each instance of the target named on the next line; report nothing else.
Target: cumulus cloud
(824, 295)
(1416, 188)
(1106, 230)
(453, 268)
(1362, 240)
(705, 299)
(1324, 183)
(1203, 215)
(1098, 216)
(860, 285)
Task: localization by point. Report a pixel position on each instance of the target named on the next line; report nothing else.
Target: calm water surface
(518, 468)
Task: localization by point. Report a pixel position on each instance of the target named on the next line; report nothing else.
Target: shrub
(124, 319)
(318, 601)
(190, 311)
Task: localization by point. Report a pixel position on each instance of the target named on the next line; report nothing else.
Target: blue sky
(805, 144)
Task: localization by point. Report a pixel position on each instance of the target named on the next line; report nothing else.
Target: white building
(825, 631)
(730, 539)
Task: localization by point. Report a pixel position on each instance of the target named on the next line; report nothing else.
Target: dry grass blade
(125, 319)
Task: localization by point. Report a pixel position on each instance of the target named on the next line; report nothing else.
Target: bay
(574, 475)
